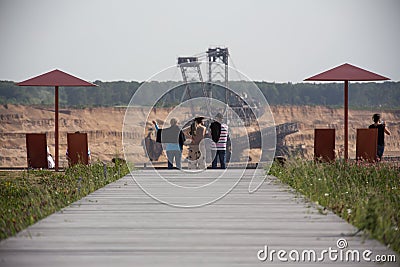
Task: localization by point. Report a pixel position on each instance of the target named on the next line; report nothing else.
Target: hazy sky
(269, 40)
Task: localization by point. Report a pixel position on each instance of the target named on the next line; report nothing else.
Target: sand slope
(104, 128)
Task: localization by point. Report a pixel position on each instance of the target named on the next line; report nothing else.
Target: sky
(268, 40)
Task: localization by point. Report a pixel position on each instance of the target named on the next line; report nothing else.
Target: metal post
(346, 120)
(209, 75)
(56, 128)
(219, 55)
(227, 92)
(191, 72)
(105, 171)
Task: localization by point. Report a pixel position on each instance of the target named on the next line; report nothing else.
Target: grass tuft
(366, 195)
(28, 196)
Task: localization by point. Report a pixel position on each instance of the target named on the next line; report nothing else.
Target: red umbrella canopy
(347, 72)
(55, 78)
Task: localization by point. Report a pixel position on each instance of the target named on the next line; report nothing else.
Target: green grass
(28, 196)
(366, 195)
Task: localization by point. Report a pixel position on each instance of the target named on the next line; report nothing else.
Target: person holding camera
(382, 130)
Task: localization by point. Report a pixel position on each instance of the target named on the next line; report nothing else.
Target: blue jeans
(221, 155)
(381, 149)
(177, 154)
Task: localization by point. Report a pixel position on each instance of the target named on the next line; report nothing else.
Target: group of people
(174, 139)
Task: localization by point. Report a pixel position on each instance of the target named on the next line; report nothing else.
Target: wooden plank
(120, 225)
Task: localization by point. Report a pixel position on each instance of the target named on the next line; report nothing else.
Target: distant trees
(105, 94)
(385, 95)
(361, 95)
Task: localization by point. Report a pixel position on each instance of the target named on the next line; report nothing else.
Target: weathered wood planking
(119, 225)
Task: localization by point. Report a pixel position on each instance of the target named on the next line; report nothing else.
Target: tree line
(119, 93)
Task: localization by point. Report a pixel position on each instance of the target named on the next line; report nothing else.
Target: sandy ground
(104, 128)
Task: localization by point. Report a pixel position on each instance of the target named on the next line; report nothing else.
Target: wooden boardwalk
(119, 225)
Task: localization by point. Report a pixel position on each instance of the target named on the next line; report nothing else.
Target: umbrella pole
(56, 128)
(346, 120)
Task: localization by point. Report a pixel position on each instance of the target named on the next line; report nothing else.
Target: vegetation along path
(120, 225)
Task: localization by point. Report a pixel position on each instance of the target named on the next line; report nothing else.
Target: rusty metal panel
(367, 144)
(77, 148)
(324, 144)
(36, 150)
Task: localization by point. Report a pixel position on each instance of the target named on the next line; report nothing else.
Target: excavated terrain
(104, 129)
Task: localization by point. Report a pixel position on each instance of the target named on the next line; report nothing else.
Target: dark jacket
(172, 135)
(215, 131)
(381, 133)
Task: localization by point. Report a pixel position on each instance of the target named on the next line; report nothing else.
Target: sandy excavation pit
(104, 129)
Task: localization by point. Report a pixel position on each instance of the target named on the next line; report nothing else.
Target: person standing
(152, 149)
(173, 139)
(197, 150)
(382, 130)
(219, 134)
(50, 160)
